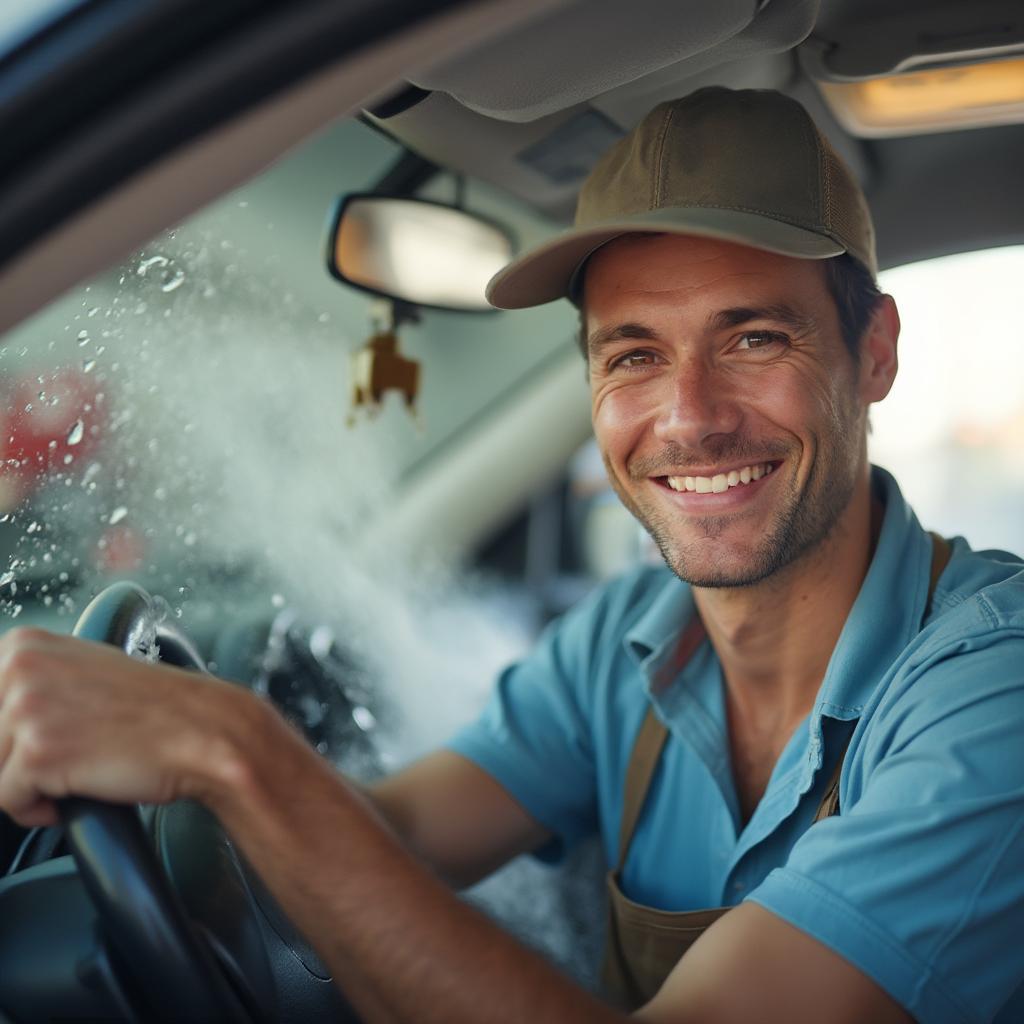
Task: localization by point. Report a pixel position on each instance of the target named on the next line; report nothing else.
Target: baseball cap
(747, 166)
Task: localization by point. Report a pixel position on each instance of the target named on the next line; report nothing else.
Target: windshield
(187, 420)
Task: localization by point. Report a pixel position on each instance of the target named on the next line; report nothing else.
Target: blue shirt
(919, 881)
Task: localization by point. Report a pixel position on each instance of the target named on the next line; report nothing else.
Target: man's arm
(455, 817)
(753, 966)
(378, 918)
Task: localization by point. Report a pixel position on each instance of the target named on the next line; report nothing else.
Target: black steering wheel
(141, 915)
(153, 916)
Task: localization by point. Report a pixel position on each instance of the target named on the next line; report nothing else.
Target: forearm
(386, 927)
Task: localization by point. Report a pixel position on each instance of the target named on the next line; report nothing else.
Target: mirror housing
(416, 251)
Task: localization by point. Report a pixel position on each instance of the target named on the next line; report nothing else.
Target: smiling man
(800, 740)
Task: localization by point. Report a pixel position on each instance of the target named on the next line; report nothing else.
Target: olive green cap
(746, 166)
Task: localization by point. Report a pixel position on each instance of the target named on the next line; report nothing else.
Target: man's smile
(717, 488)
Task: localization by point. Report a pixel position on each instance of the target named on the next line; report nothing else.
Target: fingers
(21, 795)
(22, 801)
(41, 723)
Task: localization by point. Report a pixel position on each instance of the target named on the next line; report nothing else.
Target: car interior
(259, 417)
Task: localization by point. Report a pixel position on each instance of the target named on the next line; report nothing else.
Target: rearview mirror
(416, 251)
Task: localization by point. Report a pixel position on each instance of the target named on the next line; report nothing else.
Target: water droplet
(153, 261)
(277, 600)
(160, 494)
(7, 577)
(93, 311)
(189, 539)
(88, 366)
(173, 281)
(68, 459)
(15, 611)
(83, 337)
(364, 718)
(76, 433)
(5, 517)
(118, 514)
(32, 527)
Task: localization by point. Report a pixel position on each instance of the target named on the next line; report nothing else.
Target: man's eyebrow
(778, 312)
(634, 331)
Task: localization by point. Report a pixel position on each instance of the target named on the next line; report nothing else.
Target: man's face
(726, 406)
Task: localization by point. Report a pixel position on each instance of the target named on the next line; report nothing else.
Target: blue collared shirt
(920, 880)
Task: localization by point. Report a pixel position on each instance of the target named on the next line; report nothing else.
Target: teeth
(720, 481)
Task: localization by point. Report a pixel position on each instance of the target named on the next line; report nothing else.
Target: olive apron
(643, 944)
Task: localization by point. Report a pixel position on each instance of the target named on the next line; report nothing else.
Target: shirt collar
(658, 628)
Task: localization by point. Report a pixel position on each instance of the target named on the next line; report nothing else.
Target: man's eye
(635, 360)
(760, 339)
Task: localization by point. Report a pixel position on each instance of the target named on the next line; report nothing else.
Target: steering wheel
(154, 918)
(141, 915)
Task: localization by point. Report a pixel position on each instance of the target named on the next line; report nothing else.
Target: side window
(952, 429)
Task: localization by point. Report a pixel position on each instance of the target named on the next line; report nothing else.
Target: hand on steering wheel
(140, 914)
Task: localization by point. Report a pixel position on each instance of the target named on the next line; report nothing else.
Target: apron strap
(646, 752)
(651, 738)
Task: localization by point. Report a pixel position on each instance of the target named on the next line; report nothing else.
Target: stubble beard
(802, 523)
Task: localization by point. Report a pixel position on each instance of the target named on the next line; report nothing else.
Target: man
(804, 759)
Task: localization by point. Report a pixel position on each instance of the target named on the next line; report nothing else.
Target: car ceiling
(532, 110)
(525, 95)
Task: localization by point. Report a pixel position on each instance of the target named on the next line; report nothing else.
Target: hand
(85, 719)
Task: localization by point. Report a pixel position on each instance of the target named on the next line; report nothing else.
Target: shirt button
(738, 886)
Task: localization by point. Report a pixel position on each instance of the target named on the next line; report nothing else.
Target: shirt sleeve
(534, 736)
(920, 882)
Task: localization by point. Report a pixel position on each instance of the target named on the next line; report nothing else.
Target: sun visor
(582, 50)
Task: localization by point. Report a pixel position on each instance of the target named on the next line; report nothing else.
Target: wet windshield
(186, 419)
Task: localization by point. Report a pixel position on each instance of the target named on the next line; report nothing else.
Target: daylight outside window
(952, 429)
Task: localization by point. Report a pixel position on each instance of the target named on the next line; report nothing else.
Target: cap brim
(546, 273)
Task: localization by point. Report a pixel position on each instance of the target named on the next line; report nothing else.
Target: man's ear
(878, 362)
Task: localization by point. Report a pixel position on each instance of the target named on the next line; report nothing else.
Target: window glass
(184, 421)
(952, 429)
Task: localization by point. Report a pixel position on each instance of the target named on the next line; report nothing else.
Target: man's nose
(697, 403)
